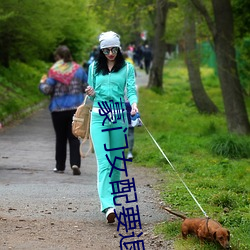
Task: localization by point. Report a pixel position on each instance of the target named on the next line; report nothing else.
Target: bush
(223, 200)
(231, 146)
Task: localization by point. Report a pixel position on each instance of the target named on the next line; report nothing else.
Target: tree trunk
(223, 38)
(201, 99)
(235, 109)
(159, 47)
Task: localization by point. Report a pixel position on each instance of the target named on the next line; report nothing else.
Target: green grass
(19, 88)
(214, 164)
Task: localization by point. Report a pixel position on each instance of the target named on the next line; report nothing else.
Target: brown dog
(204, 229)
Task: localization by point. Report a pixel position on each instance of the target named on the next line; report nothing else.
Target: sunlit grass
(193, 142)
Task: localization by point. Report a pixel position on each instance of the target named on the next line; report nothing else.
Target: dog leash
(174, 169)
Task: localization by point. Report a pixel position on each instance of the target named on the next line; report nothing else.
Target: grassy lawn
(214, 164)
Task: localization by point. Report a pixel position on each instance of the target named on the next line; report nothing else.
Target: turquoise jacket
(111, 87)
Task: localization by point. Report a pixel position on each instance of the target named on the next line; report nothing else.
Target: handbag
(81, 126)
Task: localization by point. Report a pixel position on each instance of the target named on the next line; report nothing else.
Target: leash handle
(174, 170)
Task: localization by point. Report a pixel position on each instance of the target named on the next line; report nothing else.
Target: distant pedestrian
(65, 84)
(138, 56)
(147, 54)
(93, 55)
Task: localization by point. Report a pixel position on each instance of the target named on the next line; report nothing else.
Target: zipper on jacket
(109, 94)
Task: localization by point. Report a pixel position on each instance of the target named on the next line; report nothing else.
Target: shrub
(223, 200)
(231, 146)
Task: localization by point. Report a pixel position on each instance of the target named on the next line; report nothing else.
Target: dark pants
(131, 138)
(62, 122)
(147, 65)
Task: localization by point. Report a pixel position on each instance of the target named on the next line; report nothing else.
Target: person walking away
(108, 77)
(147, 54)
(65, 84)
(138, 56)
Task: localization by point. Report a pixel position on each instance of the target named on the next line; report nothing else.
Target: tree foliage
(242, 35)
(126, 17)
(27, 32)
(175, 25)
(241, 18)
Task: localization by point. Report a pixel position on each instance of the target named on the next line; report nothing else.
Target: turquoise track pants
(111, 139)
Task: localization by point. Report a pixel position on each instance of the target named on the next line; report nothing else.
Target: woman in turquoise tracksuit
(108, 77)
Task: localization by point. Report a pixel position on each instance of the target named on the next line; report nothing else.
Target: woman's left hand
(134, 109)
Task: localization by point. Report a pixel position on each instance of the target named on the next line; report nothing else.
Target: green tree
(241, 18)
(201, 99)
(221, 27)
(242, 34)
(25, 31)
(28, 33)
(127, 17)
(156, 72)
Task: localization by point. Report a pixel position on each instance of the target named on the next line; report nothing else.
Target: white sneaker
(58, 171)
(129, 156)
(110, 215)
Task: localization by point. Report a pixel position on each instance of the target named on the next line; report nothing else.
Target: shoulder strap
(90, 149)
(87, 136)
(126, 73)
(126, 84)
(93, 72)
(85, 99)
(84, 140)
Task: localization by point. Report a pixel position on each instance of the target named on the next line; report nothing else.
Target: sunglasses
(106, 51)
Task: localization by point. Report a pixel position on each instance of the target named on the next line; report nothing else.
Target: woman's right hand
(134, 109)
(90, 91)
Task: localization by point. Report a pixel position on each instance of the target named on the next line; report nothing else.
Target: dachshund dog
(204, 229)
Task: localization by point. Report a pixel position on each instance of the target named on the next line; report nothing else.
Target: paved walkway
(30, 189)
(141, 78)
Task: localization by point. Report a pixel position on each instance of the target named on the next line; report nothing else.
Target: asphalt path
(29, 188)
